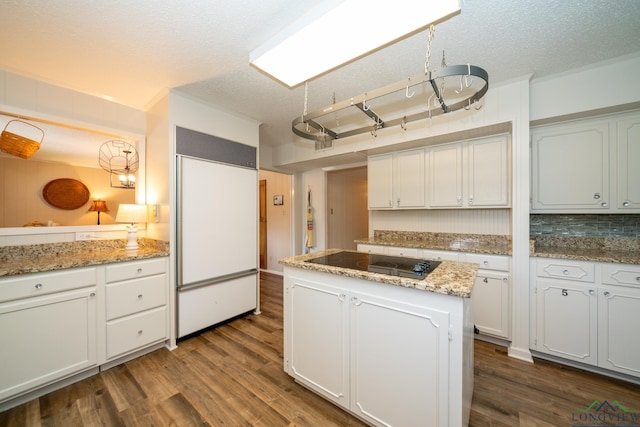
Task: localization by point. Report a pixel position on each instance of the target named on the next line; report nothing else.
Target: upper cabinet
(627, 163)
(471, 174)
(397, 180)
(586, 166)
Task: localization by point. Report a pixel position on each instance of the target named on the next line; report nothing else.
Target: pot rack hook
(365, 107)
(467, 80)
(477, 104)
(407, 90)
(468, 106)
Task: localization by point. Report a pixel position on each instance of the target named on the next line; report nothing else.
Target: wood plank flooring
(232, 376)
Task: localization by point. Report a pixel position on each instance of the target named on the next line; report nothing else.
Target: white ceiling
(129, 52)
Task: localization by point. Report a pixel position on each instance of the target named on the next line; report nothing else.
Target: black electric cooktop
(392, 265)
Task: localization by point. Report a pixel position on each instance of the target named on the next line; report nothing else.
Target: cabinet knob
(592, 292)
(607, 293)
(140, 296)
(398, 201)
(390, 203)
(596, 196)
(459, 200)
(92, 294)
(486, 263)
(626, 204)
(604, 204)
(565, 272)
(38, 285)
(485, 280)
(470, 200)
(139, 270)
(638, 278)
(140, 332)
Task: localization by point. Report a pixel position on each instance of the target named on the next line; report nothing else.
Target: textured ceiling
(130, 52)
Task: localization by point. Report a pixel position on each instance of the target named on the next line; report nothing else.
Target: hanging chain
(335, 114)
(306, 100)
(432, 30)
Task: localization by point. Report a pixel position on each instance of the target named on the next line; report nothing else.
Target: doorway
(347, 208)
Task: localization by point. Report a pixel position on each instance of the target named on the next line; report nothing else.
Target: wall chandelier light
(420, 97)
(120, 159)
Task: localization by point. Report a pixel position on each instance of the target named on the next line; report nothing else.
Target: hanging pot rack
(467, 94)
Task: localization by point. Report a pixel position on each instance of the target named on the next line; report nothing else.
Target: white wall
(279, 241)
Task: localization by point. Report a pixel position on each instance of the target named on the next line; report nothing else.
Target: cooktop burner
(392, 265)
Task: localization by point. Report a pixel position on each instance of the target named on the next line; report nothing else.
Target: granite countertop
(24, 259)
(595, 249)
(473, 243)
(449, 278)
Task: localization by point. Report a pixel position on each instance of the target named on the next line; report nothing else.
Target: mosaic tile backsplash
(585, 225)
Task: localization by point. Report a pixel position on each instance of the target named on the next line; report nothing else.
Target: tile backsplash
(581, 225)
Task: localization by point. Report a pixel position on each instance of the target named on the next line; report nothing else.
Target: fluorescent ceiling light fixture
(338, 31)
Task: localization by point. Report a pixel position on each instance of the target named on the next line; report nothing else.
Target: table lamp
(98, 206)
(132, 214)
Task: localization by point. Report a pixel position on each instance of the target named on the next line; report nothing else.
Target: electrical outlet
(84, 236)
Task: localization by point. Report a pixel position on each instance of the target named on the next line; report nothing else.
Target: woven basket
(18, 145)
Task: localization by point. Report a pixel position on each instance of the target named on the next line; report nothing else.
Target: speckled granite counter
(474, 243)
(596, 249)
(25, 259)
(450, 278)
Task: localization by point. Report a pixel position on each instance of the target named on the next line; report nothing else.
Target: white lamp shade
(132, 214)
(317, 43)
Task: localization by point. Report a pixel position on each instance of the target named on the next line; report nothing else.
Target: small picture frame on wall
(278, 200)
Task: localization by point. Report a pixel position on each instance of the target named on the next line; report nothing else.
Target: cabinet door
(490, 298)
(488, 173)
(571, 168)
(409, 180)
(318, 347)
(386, 387)
(628, 164)
(380, 181)
(445, 176)
(46, 339)
(567, 320)
(619, 317)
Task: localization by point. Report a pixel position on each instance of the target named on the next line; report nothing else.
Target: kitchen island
(391, 350)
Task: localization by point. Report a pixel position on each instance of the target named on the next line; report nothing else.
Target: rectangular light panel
(338, 31)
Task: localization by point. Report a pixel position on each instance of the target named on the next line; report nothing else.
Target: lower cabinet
(388, 360)
(588, 312)
(59, 324)
(49, 334)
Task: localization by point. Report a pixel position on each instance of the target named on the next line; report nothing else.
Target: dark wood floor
(232, 376)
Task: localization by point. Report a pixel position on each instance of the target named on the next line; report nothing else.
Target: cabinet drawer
(408, 252)
(372, 249)
(32, 285)
(136, 295)
(135, 269)
(489, 262)
(621, 274)
(132, 333)
(571, 270)
(439, 255)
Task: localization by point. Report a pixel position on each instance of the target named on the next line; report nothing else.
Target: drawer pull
(139, 270)
(592, 292)
(140, 332)
(486, 263)
(140, 296)
(565, 272)
(607, 293)
(38, 285)
(92, 294)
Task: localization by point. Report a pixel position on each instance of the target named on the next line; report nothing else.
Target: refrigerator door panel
(217, 220)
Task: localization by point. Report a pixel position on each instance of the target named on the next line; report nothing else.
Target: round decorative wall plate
(66, 193)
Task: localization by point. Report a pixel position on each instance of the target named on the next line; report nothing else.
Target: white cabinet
(587, 166)
(48, 326)
(397, 378)
(587, 312)
(135, 306)
(627, 164)
(318, 338)
(383, 352)
(397, 180)
(471, 174)
(491, 294)
(373, 249)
